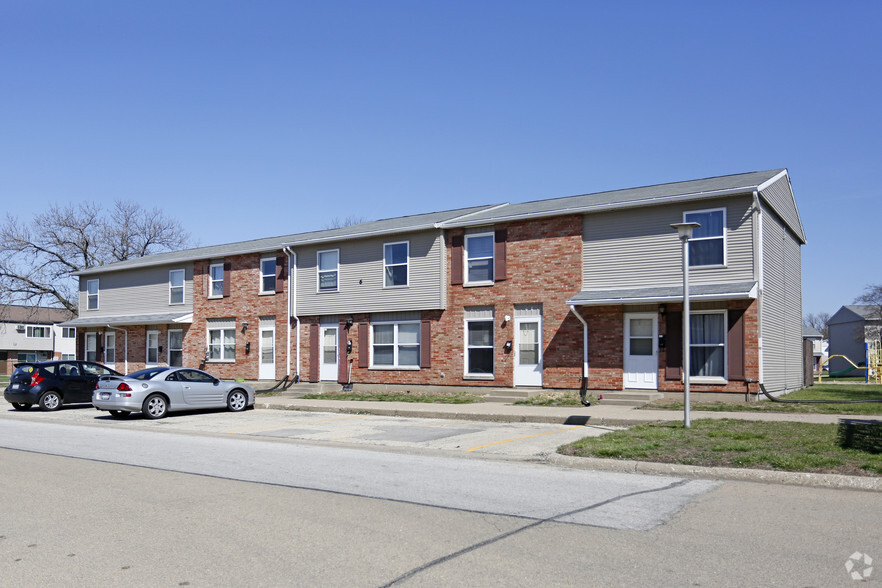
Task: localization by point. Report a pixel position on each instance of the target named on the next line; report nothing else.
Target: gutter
(760, 279)
(584, 341)
(292, 310)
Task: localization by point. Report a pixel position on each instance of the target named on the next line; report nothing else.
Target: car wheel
(155, 407)
(21, 405)
(50, 401)
(120, 414)
(237, 401)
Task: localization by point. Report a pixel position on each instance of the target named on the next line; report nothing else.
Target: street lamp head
(685, 229)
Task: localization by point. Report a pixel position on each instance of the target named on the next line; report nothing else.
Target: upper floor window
(216, 280)
(68, 332)
(92, 294)
(328, 263)
(479, 258)
(708, 243)
(176, 286)
(395, 258)
(38, 332)
(267, 275)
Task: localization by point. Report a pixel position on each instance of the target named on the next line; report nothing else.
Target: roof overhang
(665, 294)
(130, 320)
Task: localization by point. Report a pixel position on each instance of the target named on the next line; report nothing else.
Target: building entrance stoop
(630, 398)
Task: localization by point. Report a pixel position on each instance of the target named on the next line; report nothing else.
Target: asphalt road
(105, 503)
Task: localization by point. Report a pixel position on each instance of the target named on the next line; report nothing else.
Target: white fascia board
(752, 294)
(598, 207)
(772, 180)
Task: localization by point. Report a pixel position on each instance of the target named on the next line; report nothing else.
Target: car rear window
(147, 374)
(26, 369)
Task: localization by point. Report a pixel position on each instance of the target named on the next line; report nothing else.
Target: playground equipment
(872, 365)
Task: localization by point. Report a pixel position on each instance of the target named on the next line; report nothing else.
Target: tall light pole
(685, 232)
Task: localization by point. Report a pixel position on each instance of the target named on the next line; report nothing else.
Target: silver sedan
(159, 390)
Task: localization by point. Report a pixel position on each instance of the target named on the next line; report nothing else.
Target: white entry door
(528, 351)
(328, 370)
(267, 370)
(641, 351)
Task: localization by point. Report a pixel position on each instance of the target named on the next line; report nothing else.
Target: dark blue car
(50, 384)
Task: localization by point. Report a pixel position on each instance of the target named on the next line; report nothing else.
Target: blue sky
(262, 118)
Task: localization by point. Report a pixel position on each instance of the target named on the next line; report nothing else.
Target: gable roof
(43, 315)
(851, 313)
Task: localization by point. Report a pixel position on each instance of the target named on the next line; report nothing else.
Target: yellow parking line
(522, 438)
(246, 431)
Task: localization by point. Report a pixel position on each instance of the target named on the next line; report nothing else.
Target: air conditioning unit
(20, 329)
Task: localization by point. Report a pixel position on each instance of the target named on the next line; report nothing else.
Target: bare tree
(38, 256)
(339, 223)
(818, 321)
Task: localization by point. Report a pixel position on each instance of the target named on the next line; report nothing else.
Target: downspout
(126, 346)
(759, 260)
(583, 391)
(292, 311)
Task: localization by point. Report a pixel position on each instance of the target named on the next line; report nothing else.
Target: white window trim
(212, 281)
(263, 275)
(66, 330)
(395, 345)
(406, 265)
(30, 332)
(466, 347)
(147, 361)
(319, 271)
(725, 345)
(183, 286)
(93, 337)
(465, 262)
(89, 295)
(724, 237)
(109, 335)
(221, 358)
(169, 347)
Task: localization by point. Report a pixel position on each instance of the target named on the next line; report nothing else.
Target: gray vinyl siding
(637, 247)
(360, 278)
(780, 198)
(137, 291)
(848, 339)
(781, 308)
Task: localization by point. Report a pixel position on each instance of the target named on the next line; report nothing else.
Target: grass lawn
(555, 399)
(734, 443)
(831, 391)
(457, 398)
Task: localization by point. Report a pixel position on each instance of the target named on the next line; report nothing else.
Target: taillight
(36, 378)
(123, 387)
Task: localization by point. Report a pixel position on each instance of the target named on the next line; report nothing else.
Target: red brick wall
(245, 303)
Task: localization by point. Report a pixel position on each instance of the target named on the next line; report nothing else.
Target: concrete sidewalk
(596, 414)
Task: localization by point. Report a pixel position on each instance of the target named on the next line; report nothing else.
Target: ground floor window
(110, 348)
(221, 343)
(479, 347)
(396, 344)
(707, 344)
(91, 347)
(176, 347)
(152, 347)
(27, 357)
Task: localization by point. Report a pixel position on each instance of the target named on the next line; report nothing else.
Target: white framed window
(395, 264)
(395, 344)
(267, 275)
(92, 294)
(216, 280)
(152, 347)
(176, 347)
(328, 264)
(91, 347)
(38, 332)
(27, 357)
(68, 356)
(479, 346)
(479, 258)
(68, 332)
(110, 347)
(707, 345)
(222, 340)
(707, 247)
(176, 286)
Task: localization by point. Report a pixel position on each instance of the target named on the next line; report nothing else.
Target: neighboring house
(851, 328)
(30, 333)
(815, 349)
(537, 294)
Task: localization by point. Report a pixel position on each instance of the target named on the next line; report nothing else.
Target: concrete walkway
(596, 414)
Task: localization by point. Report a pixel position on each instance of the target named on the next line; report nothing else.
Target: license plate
(14, 387)
(104, 396)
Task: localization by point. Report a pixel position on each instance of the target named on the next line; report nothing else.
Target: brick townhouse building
(538, 295)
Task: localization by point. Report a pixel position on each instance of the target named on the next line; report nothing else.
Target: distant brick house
(538, 295)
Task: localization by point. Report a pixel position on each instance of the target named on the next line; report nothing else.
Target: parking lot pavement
(465, 437)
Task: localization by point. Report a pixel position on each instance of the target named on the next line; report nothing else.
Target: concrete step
(630, 398)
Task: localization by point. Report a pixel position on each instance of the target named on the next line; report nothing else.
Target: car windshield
(146, 374)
